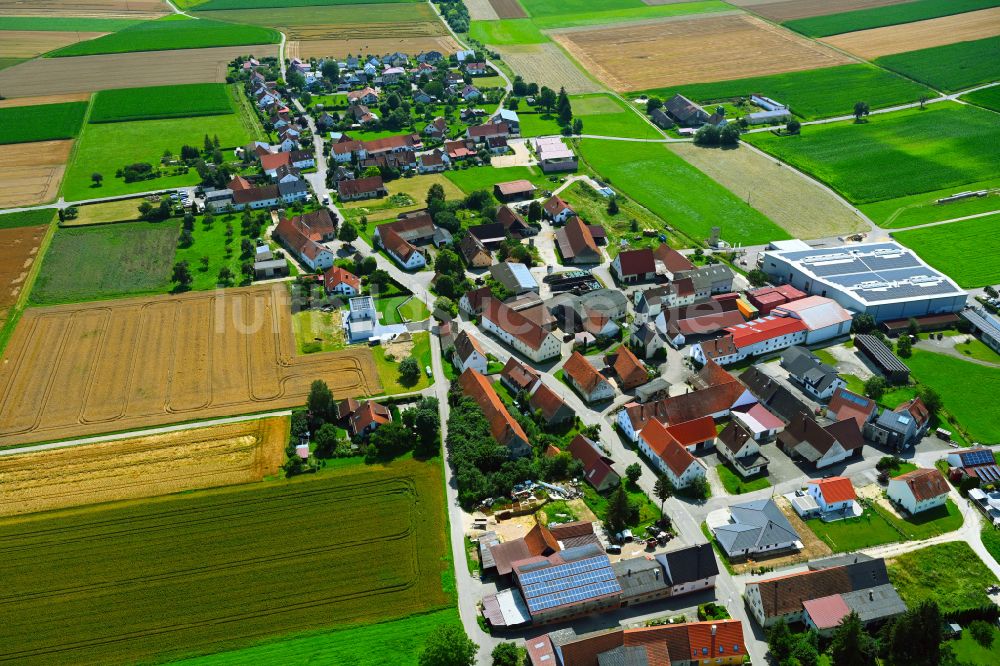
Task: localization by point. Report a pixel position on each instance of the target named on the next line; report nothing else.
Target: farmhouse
(902, 427)
(649, 303)
(557, 210)
(518, 377)
(670, 262)
(669, 456)
(598, 469)
(491, 235)
(474, 252)
(919, 490)
(483, 133)
(402, 251)
(469, 354)
(516, 330)
(847, 405)
(546, 403)
(709, 279)
(685, 112)
(513, 223)
(634, 265)
(589, 383)
(576, 243)
(514, 190)
(821, 445)
(370, 187)
(303, 234)
(554, 156)
(753, 338)
(754, 528)
(472, 301)
(628, 369)
(433, 162)
(737, 445)
(503, 427)
(696, 321)
(815, 377)
(338, 280)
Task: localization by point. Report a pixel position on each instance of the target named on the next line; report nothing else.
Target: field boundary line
(940, 222)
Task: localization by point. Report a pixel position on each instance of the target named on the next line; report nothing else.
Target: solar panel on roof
(978, 458)
(856, 399)
(537, 604)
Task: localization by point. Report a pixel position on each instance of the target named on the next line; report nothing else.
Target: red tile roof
(637, 262)
(827, 612)
(270, 162)
(925, 484)
(596, 467)
(555, 205)
(389, 143)
(583, 374)
(515, 187)
(514, 322)
(663, 444)
(715, 634)
(547, 401)
(540, 541)
(519, 374)
(396, 244)
(238, 183)
(673, 261)
(337, 275)
(579, 237)
(763, 329)
(696, 431)
(917, 410)
(629, 368)
(477, 297)
(835, 489)
(848, 405)
(504, 428)
(370, 412)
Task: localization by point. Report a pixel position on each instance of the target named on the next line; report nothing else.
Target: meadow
(987, 97)
(684, 197)
(506, 31)
(181, 101)
(929, 574)
(288, 560)
(107, 147)
(95, 263)
(876, 17)
(817, 93)
(388, 370)
(172, 34)
(548, 14)
(41, 122)
(968, 391)
(894, 155)
(951, 67)
(484, 178)
(922, 208)
(210, 243)
(65, 23)
(400, 309)
(950, 248)
(213, 5)
(27, 218)
(601, 114)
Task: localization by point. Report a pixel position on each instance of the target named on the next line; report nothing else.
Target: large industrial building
(885, 280)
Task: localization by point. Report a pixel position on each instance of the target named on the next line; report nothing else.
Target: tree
(613, 205)
(851, 644)
(534, 211)
(729, 135)
(699, 488)
(435, 193)
(547, 98)
(348, 232)
(320, 402)
(875, 387)
(914, 638)
(923, 101)
(388, 441)
(182, 275)
(326, 440)
(757, 277)
(409, 371)
(981, 632)
(793, 127)
(186, 239)
(448, 645)
(780, 641)
(225, 275)
(930, 398)
(913, 327)
(863, 323)
(633, 472)
(513, 103)
(663, 489)
(578, 126)
(330, 70)
(507, 654)
(860, 111)
(618, 510)
(707, 135)
(904, 346)
(96, 178)
(563, 107)
(652, 104)
(296, 79)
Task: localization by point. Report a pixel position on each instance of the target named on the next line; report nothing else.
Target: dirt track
(53, 76)
(796, 9)
(76, 370)
(31, 172)
(652, 55)
(167, 463)
(919, 35)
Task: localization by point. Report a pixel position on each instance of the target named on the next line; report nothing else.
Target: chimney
(629, 573)
(713, 630)
(656, 572)
(871, 595)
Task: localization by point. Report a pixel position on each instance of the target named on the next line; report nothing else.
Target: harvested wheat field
(45, 99)
(18, 249)
(74, 370)
(339, 48)
(892, 39)
(30, 43)
(796, 9)
(52, 76)
(167, 463)
(481, 10)
(653, 55)
(547, 65)
(31, 172)
(508, 9)
(795, 203)
(133, 9)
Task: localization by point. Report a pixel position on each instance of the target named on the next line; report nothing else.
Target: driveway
(521, 157)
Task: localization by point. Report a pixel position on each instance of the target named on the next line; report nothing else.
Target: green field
(951, 67)
(327, 15)
(684, 197)
(967, 390)
(736, 484)
(648, 513)
(361, 646)
(398, 309)
(926, 524)
(109, 261)
(506, 31)
(181, 101)
(923, 208)
(895, 154)
(968, 652)
(817, 93)
(65, 24)
(930, 574)
(154, 580)
(10, 62)
(484, 178)
(317, 331)
(212, 5)
(42, 122)
(876, 17)
(27, 218)
(987, 97)
(605, 115)
(578, 13)
(210, 243)
(108, 147)
(871, 529)
(388, 370)
(967, 251)
(165, 35)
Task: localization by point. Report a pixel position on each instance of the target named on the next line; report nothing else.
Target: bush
(982, 633)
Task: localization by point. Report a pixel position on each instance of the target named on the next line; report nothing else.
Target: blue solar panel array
(564, 570)
(560, 584)
(568, 583)
(856, 399)
(576, 594)
(977, 458)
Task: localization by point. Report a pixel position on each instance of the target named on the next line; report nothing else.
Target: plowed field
(508, 9)
(339, 48)
(673, 52)
(133, 9)
(31, 172)
(167, 463)
(44, 99)
(892, 39)
(481, 10)
(547, 65)
(796, 9)
(52, 76)
(18, 247)
(74, 370)
(30, 43)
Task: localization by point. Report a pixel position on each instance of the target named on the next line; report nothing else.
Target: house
(469, 354)
(338, 280)
(303, 235)
(656, 389)
(737, 445)
(503, 427)
(497, 145)
(815, 377)
(470, 92)
(402, 251)
(821, 445)
(472, 301)
(902, 427)
(765, 299)
(513, 223)
(709, 279)
(646, 340)
(474, 68)
(628, 369)
(779, 400)
(919, 490)
(685, 112)
(367, 418)
(392, 75)
(670, 262)
(756, 528)
(430, 57)
(362, 114)
(474, 252)
(824, 318)
(515, 277)
(589, 383)
(834, 495)
(362, 317)
(460, 149)
(598, 469)
(690, 323)
(437, 128)
(634, 265)
(851, 582)
(518, 378)
(514, 190)
(752, 338)
(668, 456)
(432, 162)
(649, 303)
(480, 133)
(538, 542)
(847, 405)
(370, 187)
(415, 227)
(256, 198)
(660, 117)
(510, 117)
(521, 333)
(678, 572)
(547, 403)
(557, 210)
(759, 421)
(576, 243)
(977, 462)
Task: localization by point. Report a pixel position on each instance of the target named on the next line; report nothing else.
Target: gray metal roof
(755, 524)
(624, 656)
(875, 603)
(640, 576)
